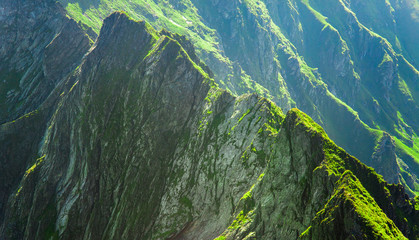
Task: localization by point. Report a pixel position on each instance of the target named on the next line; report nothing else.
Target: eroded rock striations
(142, 144)
(39, 46)
(350, 65)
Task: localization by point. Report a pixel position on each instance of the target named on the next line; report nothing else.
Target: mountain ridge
(142, 143)
(38, 49)
(322, 57)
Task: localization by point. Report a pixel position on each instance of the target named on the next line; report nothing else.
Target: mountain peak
(137, 141)
(119, 20)
(124, 40)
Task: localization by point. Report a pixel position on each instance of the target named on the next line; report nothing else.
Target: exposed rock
(143, 145)
(310, 176)
(384, 159)
(39, 45)
(353, 57)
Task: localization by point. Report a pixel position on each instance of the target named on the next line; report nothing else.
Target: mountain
(138, 141)
(351, 65)
(39, 46)
(115, 130)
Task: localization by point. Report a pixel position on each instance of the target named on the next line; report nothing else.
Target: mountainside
(38, 47)
(351, 65)
(139, 142)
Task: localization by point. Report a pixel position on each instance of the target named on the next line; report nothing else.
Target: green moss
(244, 115)
(250, 84)
(28, 115)
(245, 157)
(310, 125)
(351, 194)
(37, 163)
(241, 219)
(386, 59)
(214, 94)
(404, 89)
(403, 149)
(337, 162)
(261, 177)
(248, 194)
(186, 202)
(161, 14)
(306, 232)
(318, 15)
(272, 130)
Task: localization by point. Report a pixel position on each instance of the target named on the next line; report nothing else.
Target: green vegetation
(37, 163)
(405, 89)
(160, 14)
(186, 202)
(220, 238)
(330, 76)
(351, 195)
(121, 124)
(360, 199)
(386, 59)
(241, 220)
(318, 15)
(311, 126)
(413, 151)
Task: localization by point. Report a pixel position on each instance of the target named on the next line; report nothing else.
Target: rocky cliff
(350, 65)
(39, 46)
(141, 143)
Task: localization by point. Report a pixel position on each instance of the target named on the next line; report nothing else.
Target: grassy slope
(351, 195)
(398, 116)
(184, 18)
(180, 17)
(361, 201)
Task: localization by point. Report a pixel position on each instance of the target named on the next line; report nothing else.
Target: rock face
(143, 144)
(39, 45)
(358, 59)
(346, 198)
(386, 158)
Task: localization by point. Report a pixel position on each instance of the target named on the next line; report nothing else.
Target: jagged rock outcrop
(384, 158)
(352, 57)
(143, 144)
(151, 98)
(346, 198)
(39, 45)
